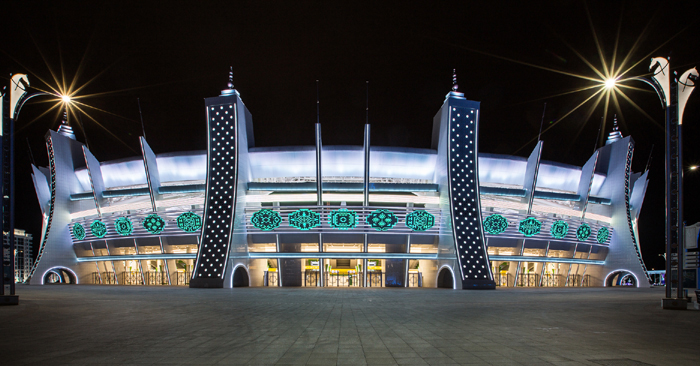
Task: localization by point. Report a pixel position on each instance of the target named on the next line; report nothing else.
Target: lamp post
(673, 93)
(10, 107)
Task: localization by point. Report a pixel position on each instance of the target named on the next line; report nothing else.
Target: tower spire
(454, 80)
(231, 90)
(615, 134)
(454, 93)
(65, 129)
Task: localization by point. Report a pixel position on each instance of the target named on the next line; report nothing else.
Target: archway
(445, 278)
(621, 278)
(59, 276)
(240, 277)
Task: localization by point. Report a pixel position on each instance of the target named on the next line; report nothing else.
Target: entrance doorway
(240, 277)
(445, 279)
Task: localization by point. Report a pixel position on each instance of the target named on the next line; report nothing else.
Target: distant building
(23, 254)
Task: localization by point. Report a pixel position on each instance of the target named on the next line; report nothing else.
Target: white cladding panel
(339, 162)
(503, 171)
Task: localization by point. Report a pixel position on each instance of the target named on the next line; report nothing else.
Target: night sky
(173, 54)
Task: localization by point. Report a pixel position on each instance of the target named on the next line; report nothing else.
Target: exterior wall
(65, 155)
(460, 212)
(624, 254)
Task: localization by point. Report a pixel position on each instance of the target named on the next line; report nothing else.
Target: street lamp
(673, 93)
(610, 83)
(9, 112)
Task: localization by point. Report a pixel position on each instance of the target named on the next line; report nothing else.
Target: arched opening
(240, 277)
(445, 279)
(59, 276)
(621, 278)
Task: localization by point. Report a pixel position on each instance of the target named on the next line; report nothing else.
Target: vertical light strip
(408, 261)
(165, 261)
(96, 265)
(319, 175)
(143, 276)
(544, 264)
(366, 175)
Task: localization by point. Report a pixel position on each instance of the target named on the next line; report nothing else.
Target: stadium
(239, 214)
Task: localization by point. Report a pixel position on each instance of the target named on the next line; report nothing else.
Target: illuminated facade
(237, 214)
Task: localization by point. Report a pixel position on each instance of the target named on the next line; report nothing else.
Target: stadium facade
(357, 216)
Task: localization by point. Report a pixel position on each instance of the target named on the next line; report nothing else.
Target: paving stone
(120, 325)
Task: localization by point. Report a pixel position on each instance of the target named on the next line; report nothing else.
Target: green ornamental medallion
(342, 219)
(98, 228)
(154, 224)
(266, 220)
(530, 226)
(603, 234)
(304, 219)
(583, 232)
(381, 220)
(189, 222)
(123, 226)
(495, 224)
(559, 229)
(420, 220)
(78, 231)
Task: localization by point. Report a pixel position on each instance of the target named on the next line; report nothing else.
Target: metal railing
(104, 278)
(576, 280)
(130, 278)
(501, 280)
(552, 280)
(312, 278)
(375, 279)
(156, 278)
(415, 279)
(183, 278)
(271, 279)
(343, 280)
(528, 280)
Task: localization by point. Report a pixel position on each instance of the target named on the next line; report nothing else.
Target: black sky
(173, 54)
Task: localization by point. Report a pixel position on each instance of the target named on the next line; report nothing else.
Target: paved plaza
(119, 325)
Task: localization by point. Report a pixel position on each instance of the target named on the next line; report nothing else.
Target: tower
(228, 127)
(456, 135)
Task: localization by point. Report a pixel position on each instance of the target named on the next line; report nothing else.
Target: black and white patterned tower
(222, 178)
(459, 131)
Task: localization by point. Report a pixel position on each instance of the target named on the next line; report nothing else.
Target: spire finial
(65, 129)
(615, 134)
(454, 80)
(230, 77)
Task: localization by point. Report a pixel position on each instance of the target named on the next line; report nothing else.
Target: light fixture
(610, 83)
(65, 98)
